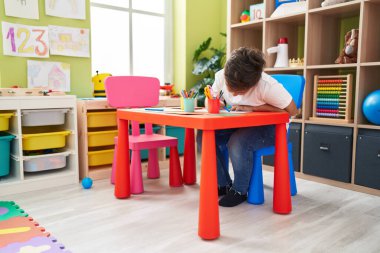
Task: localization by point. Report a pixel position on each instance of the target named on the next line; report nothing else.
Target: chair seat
(144, 141)
(270, 150)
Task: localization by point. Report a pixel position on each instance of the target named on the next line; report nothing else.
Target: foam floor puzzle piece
(19, 229)
(38, 244)
(9, 209)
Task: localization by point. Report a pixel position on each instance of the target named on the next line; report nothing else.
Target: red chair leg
(189, 171)
(175, 177)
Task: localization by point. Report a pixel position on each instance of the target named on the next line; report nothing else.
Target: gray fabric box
(328, 152)
(367, 164)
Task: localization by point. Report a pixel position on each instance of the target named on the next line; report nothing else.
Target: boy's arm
(291, 108)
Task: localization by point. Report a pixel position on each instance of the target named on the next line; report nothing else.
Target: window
(132, 37)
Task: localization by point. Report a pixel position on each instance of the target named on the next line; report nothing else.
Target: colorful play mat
(21, 234)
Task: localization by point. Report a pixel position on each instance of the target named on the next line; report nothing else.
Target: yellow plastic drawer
(102, 138)
(44, 140)
(4, 121)
(102, 157)
(101, 119)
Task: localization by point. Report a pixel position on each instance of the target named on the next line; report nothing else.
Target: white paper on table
(22, 8)
(49, 75)
(69, 41)
(75, 9)
(24, 40)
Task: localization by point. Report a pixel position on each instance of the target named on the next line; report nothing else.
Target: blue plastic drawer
(5, 147)
(179, 133)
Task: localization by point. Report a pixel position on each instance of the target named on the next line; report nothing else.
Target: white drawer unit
(45, 162)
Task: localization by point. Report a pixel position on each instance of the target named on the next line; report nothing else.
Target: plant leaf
(202, 47)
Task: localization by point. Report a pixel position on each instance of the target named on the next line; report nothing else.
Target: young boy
(246, 88)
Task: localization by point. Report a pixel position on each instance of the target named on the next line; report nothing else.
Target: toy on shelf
(349, 53)
(244, 16)
(294, 63)
(15, 91)
(282, 60)
(371, 107)
(98, 82)
(166, 90)
(287, 7)
(332, 98)
(256, 11)
(332, 2)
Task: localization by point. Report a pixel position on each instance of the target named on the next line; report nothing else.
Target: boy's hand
(242, 108)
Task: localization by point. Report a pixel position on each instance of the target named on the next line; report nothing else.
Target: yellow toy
(98, 82)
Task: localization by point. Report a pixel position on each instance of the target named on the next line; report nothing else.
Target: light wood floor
(324, 219)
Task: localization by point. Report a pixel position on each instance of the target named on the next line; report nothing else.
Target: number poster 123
(25, 41)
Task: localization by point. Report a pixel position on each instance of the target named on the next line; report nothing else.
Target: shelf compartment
(250, 37)
(39, 163)
(271, 7)
(101, 157)
(333, 66)
(326, 32)
(237, 7)
(50, 140)
(101, 138)
(294, 18)
(370, 48)
(293, 30)
(43, 117)
(101, 119)
(369, 81)
(309, 91)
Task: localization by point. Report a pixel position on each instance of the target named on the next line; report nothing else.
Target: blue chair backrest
(294, 84)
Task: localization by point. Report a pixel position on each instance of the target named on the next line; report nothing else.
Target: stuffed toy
(332, 2)
(350, 51)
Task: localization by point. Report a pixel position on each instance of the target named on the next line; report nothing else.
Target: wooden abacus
(332, 98)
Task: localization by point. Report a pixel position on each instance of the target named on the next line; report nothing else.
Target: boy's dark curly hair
(243, 69)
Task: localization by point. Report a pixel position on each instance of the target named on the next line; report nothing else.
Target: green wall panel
(13, 70)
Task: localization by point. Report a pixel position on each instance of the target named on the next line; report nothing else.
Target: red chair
(136, 92)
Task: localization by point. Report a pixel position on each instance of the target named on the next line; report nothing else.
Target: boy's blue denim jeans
(239, 143)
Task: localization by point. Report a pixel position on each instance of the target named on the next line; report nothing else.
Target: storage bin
(5, 146)
(367, 165)
(101, 119)
(101, 138)
(295, 139)
(49, 140)
(4, 121)
(328, 152)
(179, 133)
(102, 157)
(45, 162)
(43, 117)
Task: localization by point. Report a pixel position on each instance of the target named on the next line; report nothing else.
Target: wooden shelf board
(348, 9)
(365, 64)
(297, 18)
(256, 25)
(369, 126)
(297, 120)
(334, 66)
(283, 69)
(100, 172)
(329, 122)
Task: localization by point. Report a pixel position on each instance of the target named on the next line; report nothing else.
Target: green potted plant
(206, 62)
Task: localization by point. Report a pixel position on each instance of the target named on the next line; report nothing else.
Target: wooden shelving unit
(316, 35)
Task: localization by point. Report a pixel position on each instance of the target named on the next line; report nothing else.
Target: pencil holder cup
(213, 105)
(188, 104)
(181, 101)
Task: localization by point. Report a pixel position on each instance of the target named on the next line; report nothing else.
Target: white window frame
(168, 37)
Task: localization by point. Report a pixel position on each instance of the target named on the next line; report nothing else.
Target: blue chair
(294, 84)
